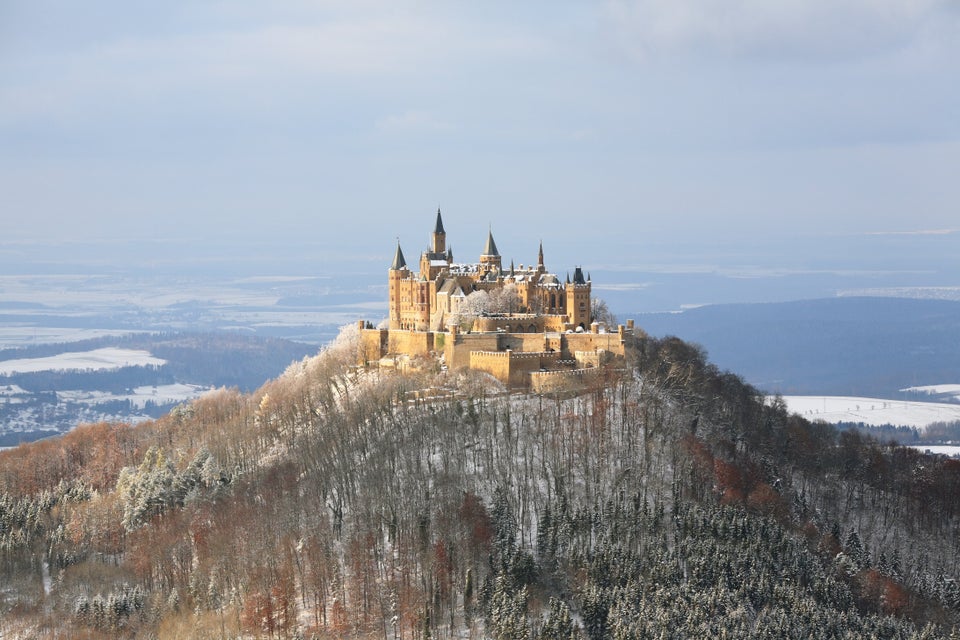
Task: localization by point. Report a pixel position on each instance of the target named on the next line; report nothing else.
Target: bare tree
(601, 312)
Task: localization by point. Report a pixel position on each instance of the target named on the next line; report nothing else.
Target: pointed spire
(439, 227)
(540, 255)
(512, 273)
(568, 277)
(398, 260)
(578, 276)
(491, 247)
(450, 254)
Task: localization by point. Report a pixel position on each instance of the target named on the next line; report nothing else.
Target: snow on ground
(872, 411)
(160, 394)
(22, 335)
(11, 390)
(940, 391)
(98, 359)
(939, 449)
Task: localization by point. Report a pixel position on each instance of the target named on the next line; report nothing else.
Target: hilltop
(668, 498)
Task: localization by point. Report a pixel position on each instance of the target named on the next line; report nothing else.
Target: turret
(438, 238)
(578, 300)
(399, 262)
(490, 258)
(398, 272)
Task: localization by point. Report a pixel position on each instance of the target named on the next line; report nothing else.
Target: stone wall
(563, 380)
(373, 344)
(523, 342)
(457, 347)
(511, 367)
(507, 356)
(411, 343)
(610, 342)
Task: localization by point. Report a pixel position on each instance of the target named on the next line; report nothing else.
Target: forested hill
(667, 502)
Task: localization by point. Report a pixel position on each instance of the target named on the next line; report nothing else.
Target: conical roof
(439, 226)
(491, 247)
(398, 260)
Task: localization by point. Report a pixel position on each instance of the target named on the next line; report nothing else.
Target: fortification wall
(563, 380)
(457, 347)
(591, 342)
(412, 343)
(373, 345)
(523, 342)
(511, 367)
(514, 323)
(554, 323)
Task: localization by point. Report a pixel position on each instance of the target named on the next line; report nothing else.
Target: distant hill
(52, 393)
(836, 346)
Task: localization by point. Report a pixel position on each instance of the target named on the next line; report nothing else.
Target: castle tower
(490, 258)
(398, 272)
(578, 300)
(438, 239)
(436, 258)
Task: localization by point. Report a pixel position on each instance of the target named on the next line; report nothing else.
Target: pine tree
(558, 625)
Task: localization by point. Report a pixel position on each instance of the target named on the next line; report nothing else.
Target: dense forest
(669, 500)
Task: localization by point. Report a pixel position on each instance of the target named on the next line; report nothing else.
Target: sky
(795, 135)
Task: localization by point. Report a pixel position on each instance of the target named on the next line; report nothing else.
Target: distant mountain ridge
(832, 346)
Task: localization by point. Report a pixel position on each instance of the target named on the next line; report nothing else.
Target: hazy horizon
(688, 152)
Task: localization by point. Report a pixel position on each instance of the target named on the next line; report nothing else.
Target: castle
(523, 324)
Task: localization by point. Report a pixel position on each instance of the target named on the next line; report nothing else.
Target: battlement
(562, 380)
(515, 355)
(513, 367)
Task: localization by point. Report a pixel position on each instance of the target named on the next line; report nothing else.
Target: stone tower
(578, 300)
(398, 271)
(436, 258)
(438, 239)
(490, 258)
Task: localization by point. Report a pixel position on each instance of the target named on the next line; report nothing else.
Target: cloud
(624, 286)
(260, 58)
(806, 29)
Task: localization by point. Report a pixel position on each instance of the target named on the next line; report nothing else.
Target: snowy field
(96, 360)
(872, 411)
(25, 335)
(160, 394)
(937, 391)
